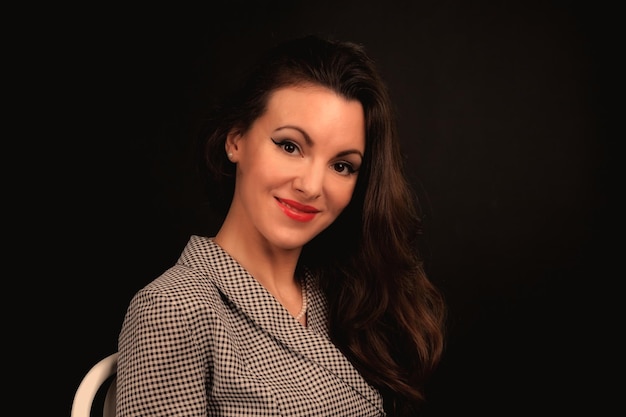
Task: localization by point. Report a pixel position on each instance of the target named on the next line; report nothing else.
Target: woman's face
(297, 165)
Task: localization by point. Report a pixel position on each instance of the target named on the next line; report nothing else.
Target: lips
(297, 211)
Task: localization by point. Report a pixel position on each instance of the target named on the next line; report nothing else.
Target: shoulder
(190, 283)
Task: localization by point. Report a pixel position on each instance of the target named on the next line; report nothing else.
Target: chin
(291, 242)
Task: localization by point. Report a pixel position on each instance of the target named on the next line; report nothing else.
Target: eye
(344, 168)
(287, 145)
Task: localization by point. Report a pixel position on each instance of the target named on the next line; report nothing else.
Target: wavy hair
(385, 315)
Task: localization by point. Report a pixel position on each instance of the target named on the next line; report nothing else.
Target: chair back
(103, 372)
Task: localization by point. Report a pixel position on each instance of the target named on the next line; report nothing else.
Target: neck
(275, 270)
(273, 267)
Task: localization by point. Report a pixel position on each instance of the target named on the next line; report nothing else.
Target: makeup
(297, 211)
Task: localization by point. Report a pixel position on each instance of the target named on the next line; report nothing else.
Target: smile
(297, 211)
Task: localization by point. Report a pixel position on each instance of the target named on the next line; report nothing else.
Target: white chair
(91, 384)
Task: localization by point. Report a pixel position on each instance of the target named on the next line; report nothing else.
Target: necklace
(304, 302)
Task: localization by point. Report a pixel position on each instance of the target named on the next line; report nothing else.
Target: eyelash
(284, 143)
(347, 165)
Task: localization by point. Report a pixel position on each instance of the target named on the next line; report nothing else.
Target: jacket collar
(244, 291)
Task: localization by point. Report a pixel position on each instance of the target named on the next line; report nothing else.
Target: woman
(311, 298)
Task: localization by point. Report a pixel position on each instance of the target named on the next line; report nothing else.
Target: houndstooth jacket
(206, 339)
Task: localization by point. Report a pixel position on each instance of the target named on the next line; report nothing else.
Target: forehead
(304, 92)
(319, 111)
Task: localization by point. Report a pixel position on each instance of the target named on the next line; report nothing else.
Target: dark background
(503, 114)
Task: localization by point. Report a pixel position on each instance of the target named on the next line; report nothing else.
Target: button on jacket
(206, 339)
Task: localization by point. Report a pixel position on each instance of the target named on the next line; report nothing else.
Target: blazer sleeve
(161, 369)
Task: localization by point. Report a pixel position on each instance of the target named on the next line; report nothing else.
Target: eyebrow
(310, 142)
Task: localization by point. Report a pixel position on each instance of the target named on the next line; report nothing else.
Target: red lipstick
(297, 211)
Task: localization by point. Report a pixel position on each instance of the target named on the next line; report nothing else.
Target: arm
(161, 369)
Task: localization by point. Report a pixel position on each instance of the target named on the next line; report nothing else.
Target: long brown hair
(385, 314)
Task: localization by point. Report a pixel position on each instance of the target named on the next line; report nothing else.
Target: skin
(305, 149)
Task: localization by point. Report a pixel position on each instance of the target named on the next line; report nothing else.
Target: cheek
(272, 174)
(259, 168)
(341, 196)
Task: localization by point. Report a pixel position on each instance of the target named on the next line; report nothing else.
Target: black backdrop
(503, 122)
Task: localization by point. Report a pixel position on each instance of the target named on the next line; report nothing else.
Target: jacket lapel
(313, 342)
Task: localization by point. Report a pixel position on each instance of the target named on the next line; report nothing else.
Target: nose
(310, 181)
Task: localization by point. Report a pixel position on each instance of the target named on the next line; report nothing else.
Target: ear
(232, 144)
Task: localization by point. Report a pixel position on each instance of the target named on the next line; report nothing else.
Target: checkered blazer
(206, 339)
